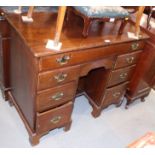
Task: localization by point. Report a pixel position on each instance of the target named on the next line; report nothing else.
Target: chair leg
(87, 23)
(123, 24)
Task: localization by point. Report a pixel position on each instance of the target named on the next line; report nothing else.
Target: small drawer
(127, 59)
(57, 77)
(86, 55)
(56, 96)
(121, 75)
(54, 118)
(114, 95)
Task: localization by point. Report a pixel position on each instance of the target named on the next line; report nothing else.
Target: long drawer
(121, 75)
(57, 117)
(57, 77)
(78, 57)
(56, 96)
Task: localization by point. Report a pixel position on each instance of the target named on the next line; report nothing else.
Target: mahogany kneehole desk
(44, 83)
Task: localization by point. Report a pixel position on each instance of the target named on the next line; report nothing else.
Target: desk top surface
(37, 33)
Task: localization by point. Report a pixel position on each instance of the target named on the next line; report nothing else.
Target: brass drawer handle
(123, 75)
(60, 77)
(55, 119)
(116, 95)
(130, 60)
(134, 46)
(58, 96)
(63, 60)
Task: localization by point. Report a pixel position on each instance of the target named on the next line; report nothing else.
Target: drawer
(57, 77)
(127, 59)
(56, 96)
(121, 75)
(78, 57)
(114, 95)
(54, 118)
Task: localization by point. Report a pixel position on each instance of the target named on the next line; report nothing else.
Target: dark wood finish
(121, 75)
(55, 118)
(4, 26)
(143, 79)
(57, 77)
(96, 84)
(4, 56)
(73, 58)
(56, 96)
(127, 59)
(33, 137)
(114, 95)
(107, 63)
(90, 61)
(23, 77)
(151, 76)
(71, 39)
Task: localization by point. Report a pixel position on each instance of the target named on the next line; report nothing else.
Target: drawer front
(54, 118)
(78, 57)
(121, 75)
(114, 95)
(56, 96)
(57, 77)
(127, 59)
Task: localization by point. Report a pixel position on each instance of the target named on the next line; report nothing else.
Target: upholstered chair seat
(100, 13)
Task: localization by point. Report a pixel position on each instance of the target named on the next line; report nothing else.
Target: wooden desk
(144, 77)
(44, 83)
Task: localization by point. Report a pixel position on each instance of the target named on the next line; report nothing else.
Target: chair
(99, 13)
(139, 12)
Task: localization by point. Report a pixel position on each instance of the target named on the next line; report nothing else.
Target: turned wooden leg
(123, 24)
(67, 126)
(34, 139)
(87, 23)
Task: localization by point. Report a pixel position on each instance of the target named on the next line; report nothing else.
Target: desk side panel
(23, 78)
